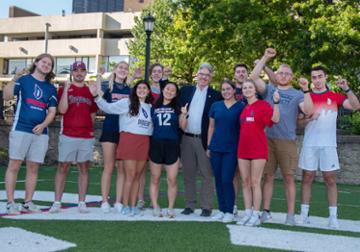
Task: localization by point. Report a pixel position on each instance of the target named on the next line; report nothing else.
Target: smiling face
(240, 74)
(79, 75)
(204, 77)
(169, 91)
(156, 74)
(227, 91)
(318, 78)
(121, 71)
(284, 75)
(142, 91)
(248, 89)
(44, 65)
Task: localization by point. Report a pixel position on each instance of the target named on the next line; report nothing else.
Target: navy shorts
(164, 151)
(112, 137)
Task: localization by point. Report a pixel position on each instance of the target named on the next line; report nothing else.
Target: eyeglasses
(284, 73)
(204, 75)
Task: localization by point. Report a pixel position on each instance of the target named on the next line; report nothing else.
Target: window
(16, 65)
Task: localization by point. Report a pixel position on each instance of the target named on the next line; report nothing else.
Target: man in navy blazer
(194, 141)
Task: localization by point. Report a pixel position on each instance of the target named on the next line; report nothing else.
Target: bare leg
(140, 166)
(257, 168)
(130, 172)
(10, 178)
(31, 179)
(120, 180)
(290, 192)
(60, 178)
(330, 181)
(83, 180)
(109, 162)
(172, 171)
(245, 173)
(154, 183)
(307, 180)
(268, 187)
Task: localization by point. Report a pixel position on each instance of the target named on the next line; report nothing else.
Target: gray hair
(208, 66)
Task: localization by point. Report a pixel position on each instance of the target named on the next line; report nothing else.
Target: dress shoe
(187, 211)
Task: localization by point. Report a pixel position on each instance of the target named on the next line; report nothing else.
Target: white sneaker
(156, 212)
(253, 221)
(125, 210)
(118, 207)
(30, 207)
(265, 217)
(304, 219)
(55, 208)
(170, 213)
(244, 219)
(228, 217)
(235, 212)
(134, 211)
(105, 207)
(290, 220)
(219, 216)
(12, 208)
(333, 222)
(82, 207)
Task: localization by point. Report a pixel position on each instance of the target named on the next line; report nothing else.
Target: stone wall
(348, 149)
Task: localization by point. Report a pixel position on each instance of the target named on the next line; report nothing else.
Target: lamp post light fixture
(47, 36)
(149, 28)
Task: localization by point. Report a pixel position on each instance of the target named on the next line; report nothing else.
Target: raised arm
(276, 113)
(307, 105)
(352, 102)
(64, 103)
(183, 117)
(255, 74)
(8, 92)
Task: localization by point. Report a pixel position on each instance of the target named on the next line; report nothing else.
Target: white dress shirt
(196, 110)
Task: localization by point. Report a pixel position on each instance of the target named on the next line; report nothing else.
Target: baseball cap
(78, 65)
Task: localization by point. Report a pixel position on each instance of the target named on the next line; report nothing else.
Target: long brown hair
(134, 105)
(50, 75)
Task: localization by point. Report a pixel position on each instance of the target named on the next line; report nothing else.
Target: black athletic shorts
(112, 137)
(164, 151)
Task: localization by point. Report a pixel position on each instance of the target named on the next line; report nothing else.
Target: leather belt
(192, 135)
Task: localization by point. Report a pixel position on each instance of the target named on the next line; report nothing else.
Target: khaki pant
(195, 160)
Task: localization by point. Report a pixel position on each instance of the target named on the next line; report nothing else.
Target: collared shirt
(196, 111)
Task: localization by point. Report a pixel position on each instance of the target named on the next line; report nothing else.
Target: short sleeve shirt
(290, 100)
(322, 131)
(253, 121)
(77, 121)
(227, 123)
(34, 97)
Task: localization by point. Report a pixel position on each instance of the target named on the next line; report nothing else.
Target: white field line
(291, 240)
(19, 240)
(97, 215)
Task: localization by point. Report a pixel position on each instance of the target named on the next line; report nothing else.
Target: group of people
(246, 130)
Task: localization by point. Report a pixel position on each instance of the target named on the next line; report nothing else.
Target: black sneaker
(187, 211)
(205, 213)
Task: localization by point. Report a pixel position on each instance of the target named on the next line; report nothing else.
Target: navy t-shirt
(119, 91)
(227, 126)
(166, 123)
(34, 97)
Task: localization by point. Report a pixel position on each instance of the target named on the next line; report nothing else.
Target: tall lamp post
(47, 36)
(148, 27)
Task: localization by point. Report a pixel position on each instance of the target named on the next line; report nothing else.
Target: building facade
(98, 39)
(85, 6)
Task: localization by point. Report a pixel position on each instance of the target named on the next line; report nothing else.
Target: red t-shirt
(77, 122)
(253, 120)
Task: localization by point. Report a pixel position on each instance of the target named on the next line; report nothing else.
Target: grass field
(168, 236)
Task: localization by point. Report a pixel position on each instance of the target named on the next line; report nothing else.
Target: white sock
(333, 211)
(248, 212)
(305, 209)
(256, 213)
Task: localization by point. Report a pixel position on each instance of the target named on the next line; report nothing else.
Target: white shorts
(325, 158)
(24, 145)
(74, 149)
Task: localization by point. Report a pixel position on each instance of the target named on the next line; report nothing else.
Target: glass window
(63, 65)
(16, 65)
(92, 65)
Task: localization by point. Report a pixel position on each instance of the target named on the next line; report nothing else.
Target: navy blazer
(186, 95)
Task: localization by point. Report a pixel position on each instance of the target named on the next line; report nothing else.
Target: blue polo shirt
(119, 91)
(34, 97)
(166, 123)
(227, 126)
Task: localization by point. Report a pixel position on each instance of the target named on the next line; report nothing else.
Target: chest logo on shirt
(144, 113)
(38, 92)
(329, 101)
(250, 119)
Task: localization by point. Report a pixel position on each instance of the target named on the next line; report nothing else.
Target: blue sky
(42, 7)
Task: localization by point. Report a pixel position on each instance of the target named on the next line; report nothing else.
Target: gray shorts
(74, 149)
(24, 145)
